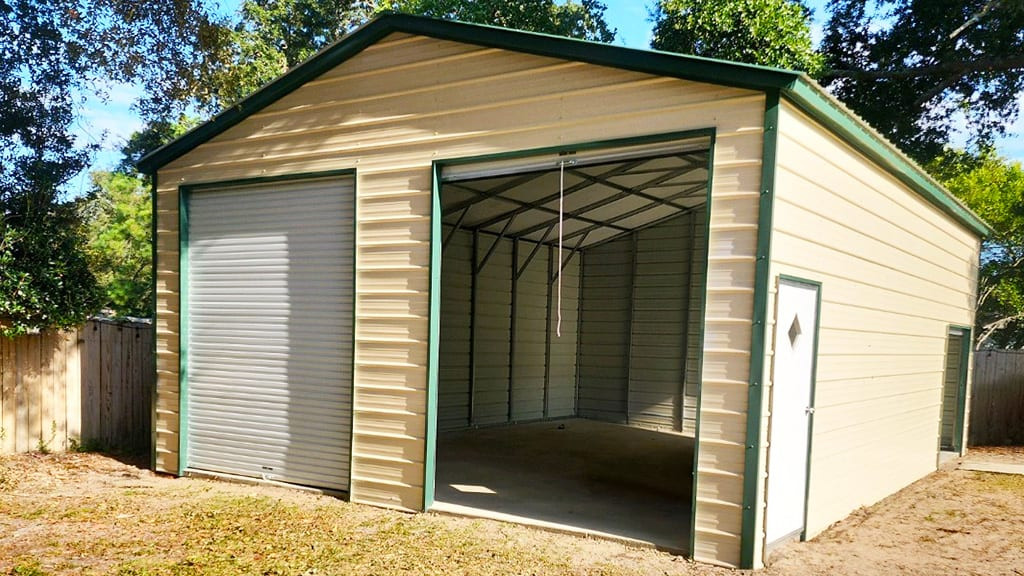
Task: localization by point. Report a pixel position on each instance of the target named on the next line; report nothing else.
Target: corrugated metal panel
(658, 341)
(895, 273)
(951, 389)
(604, 330)
(403, 114)
(698, 262)
(529, 364)
(562, 357)
(456, 295)
(492, 332)
(270, 332)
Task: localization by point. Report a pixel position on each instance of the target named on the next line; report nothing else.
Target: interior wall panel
(528, 365)
(453, 372)
(491, 333)
(604, 330)
(562, 359)
(658, 340)
(695, 318)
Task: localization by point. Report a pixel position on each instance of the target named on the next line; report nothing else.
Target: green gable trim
(795, 87)
(813, 100)
(660, 63)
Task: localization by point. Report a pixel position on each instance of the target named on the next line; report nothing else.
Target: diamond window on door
(794, 331)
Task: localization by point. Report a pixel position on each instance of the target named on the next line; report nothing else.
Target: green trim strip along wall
(814, 385)
(184, 192)
(183, 268)
(966, 344)
(700, 347)
(434, 345)
(153, 373)
(758, 337)
(794, 86)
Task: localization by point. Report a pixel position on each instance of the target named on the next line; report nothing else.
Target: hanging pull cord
(561, 198)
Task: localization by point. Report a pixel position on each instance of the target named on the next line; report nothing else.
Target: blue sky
(109, 123)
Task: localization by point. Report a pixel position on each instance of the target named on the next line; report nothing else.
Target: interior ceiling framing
(601, 201)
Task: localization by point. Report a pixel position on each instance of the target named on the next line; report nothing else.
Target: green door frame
(961, 393)
(436, 239)
(184, 194)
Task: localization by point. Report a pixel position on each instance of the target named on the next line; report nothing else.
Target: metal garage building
(659, 297)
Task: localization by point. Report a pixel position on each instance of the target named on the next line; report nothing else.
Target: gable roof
(796, 87)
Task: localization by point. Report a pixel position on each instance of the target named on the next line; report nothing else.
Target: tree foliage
(910, 68)
(45, 280)
(272, 36)
(767, 32)
(994, 188)
(118, 216)
(582, 19)
(268, 38)
(51, 55)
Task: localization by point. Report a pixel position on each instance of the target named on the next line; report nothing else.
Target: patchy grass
(1012, 483)
(91, 514)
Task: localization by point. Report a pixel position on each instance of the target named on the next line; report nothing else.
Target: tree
(118, 217)
(911, 68)
(994, 189)
(51, 53)
(270, 37)
(767, 32)
(582, 19)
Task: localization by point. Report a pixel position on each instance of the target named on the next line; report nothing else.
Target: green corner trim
(824, 108)
(152, 368)
(700, 346)
(758, 338)
(966, 345)
(183, 268)
(814, 388)
(434, 344)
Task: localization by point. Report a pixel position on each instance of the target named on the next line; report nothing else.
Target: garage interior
(568, 379)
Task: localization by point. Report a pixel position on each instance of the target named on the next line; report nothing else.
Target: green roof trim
(794, 86)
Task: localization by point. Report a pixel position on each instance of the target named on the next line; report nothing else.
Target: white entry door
(789, 432)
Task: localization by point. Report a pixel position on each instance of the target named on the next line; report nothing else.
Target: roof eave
(794, 86)
(652, 62)
(810, 97)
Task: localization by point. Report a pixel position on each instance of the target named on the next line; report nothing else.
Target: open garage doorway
(568, 377)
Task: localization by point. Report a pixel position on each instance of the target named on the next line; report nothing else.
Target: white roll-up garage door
(269, 324)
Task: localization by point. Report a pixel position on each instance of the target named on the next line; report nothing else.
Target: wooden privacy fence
(997, 399)
(90, 386)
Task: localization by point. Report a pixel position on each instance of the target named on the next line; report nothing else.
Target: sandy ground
(87, 513)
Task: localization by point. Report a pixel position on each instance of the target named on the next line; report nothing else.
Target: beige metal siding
(408, 101)
(895, 273)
